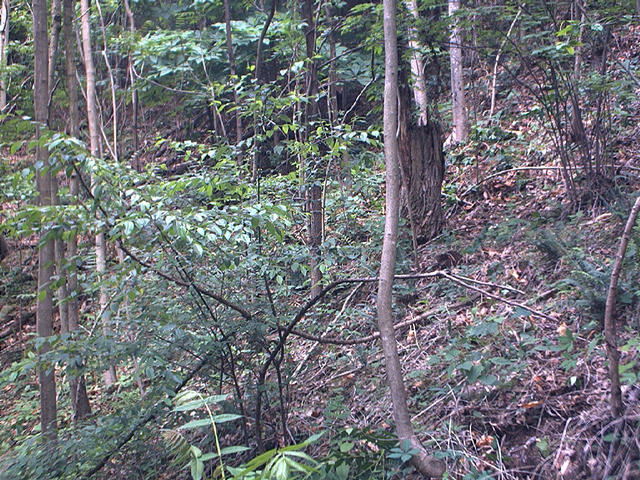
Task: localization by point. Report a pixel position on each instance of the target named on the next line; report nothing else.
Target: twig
(369, 338)
(495, 64)
(498, 297)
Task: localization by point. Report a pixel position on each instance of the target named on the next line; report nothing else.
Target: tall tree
(313, 192)
(77, 384)
(54, 38)
(458, 107)
(94, 148)
(426, 464)
(232, 69)
(134, 90)
(44, 181)
(4, 43)
(417, 66)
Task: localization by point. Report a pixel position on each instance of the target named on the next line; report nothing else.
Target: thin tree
(4, 43)
(232, 69)
(94, 148)
(314, 191)
(77, 385)
(44, 316)
(132, 81)
(610, 328)
(417, 66)
(54, 40)
(426, 464)
(458, 104)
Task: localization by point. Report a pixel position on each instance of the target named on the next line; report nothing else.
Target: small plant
(185, 453)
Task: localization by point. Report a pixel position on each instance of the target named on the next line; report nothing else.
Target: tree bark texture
(77, 385)
(44, 316)
(94, 142)
(422, 167)
(427, 465)
(4, 42)
(458, 106)
(313, 192)
(419, 83)
(54, 40)
(610, 328)
(232, 69)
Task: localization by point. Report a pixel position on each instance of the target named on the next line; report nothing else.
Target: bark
(422, 167)
(332, 100)
(426, 464)
(417, 67)
(459, 110)
(610, 329)
(314, 191)
(54, 40)
(94, 148)
(77, 385)
(134, 91)
(4, 248)
(4, 42)
(232, 69)
(44, 315)
(263, 33)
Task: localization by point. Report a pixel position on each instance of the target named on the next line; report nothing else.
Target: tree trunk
(232, 70)
(54, 40)
(4, 42)
(417, 67)
(422, 167)
(458, 107)
(94, 142)
(77, 385)
(610, 329)
(44, 318)
(4, 248)
(134, 91)
(313, 192)
(426, 464)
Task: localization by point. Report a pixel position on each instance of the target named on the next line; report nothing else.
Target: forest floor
(505, 393)
(500, 390)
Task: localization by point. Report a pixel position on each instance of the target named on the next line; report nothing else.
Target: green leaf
(226, 417)
(202, 422)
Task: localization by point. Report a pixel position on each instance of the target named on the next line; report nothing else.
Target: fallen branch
(356, 341)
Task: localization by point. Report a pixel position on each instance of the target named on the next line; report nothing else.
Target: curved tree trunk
(427, 465)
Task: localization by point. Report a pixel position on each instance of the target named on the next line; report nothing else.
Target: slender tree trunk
(610, 329)
(94, 142)
(417, 67)
(332, 100)
(314, 191)
(426, 464)
(77, 385)
(459, 110)
(4, 43)
(134, 92)
(232, 70)
(44, 318)
(54, 40)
